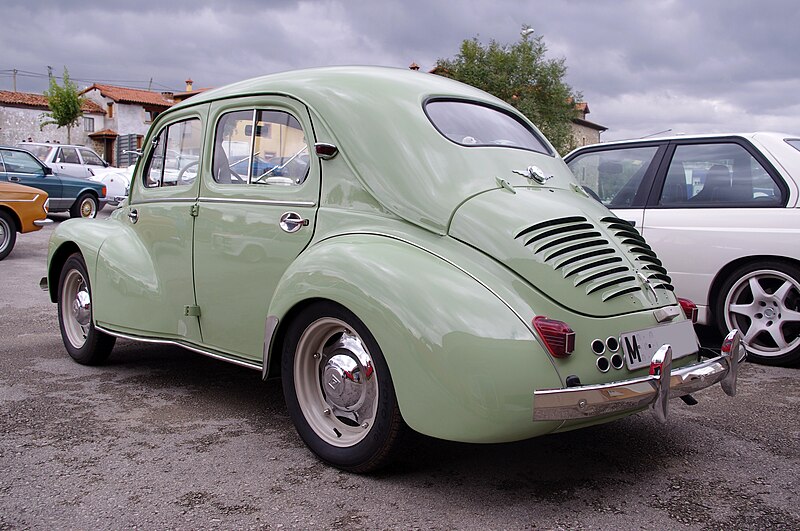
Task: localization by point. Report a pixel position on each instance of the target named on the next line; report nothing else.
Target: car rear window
(475, 125)
(40, 151)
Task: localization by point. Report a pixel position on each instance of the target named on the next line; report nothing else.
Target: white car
(721, 213)
(84, 163)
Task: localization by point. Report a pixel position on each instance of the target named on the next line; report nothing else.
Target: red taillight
(104, 191)
(557, 335)
(689, 309)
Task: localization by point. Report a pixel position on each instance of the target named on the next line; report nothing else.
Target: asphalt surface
(163, 438)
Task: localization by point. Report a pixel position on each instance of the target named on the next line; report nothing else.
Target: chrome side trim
(269, 334)
(20, 200)
(591, 401)
(257, 201)
(42, 222)
(187, 346)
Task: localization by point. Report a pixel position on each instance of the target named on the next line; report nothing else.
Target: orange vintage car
(22, 209)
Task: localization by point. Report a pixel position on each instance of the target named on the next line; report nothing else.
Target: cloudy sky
(643, 66)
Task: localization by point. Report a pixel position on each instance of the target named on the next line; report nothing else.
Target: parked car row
(58, 193)
(721, 211)
(446, 274)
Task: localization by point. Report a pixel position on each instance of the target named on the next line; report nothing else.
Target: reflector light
(689, 309)
(557, 336)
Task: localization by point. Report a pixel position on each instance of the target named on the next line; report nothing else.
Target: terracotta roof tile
(39, 101)
(103, 133)
(129, 95)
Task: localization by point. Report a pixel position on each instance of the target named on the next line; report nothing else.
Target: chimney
(413, 66)
(189, 85)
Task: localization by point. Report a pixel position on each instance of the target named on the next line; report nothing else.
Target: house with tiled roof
(583, 131)
(21, 114)
(128, 114)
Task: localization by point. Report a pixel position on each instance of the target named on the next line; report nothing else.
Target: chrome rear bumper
(587, 401)
(42, 222)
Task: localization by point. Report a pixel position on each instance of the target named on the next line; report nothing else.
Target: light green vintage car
(416, 255)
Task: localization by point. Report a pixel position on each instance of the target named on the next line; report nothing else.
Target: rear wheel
(762, 300)
(338, 389)
(8, 234)
(86, 206)
(86, 344)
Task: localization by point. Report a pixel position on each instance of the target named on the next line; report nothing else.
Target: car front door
(619, 177)
(22, 168)
(255, 216)
(146, 286)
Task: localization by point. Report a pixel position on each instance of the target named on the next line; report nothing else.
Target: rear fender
(464, 365)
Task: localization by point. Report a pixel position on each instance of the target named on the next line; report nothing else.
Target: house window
(110, 109)
(88, 124)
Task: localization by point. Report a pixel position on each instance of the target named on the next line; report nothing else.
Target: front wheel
(8, 234)
(86, 206)
(86, 344)
(338, 389)
(762, 300)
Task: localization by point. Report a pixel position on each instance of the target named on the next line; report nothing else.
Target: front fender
(75, 235)
(464, 365)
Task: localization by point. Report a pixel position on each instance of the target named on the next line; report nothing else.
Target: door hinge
(195, 210)
(191, 311)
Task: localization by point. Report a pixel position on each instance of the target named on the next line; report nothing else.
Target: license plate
(639, 347)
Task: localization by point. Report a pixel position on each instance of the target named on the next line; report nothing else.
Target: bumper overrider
(655, 390)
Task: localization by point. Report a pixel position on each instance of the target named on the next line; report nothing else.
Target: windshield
(794, 142)
(472, 124)
(40, 151)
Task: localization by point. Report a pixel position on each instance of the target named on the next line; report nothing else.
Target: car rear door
(251, 223)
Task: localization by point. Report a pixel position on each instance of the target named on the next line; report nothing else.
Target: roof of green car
(376, 118)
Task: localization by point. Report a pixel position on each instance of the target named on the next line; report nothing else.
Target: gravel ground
(162, 438)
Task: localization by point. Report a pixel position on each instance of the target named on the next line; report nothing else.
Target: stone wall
(20, 123)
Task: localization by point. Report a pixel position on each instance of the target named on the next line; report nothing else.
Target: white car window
(90, 158)
(614, 175)
(717, 175)
(68, 155)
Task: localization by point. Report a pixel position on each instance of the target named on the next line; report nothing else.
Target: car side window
(68, 155)
(264, 147)
(90, 158)
(20, 162)
(717, 175)
(176, 157)
(614, 176)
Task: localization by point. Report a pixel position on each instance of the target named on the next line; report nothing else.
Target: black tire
(86, 206)
(86, 344)
(8, 234)
(352, 422)
(762, 300)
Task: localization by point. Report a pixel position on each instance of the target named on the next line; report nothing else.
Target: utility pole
(150, 85)
(14, 78)
(49, 71)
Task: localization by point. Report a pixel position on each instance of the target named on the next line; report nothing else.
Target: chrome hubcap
(336, 383)
(76, 308)
(765, 306)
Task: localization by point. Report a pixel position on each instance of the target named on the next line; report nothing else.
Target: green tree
(521, 75)
(65, 104)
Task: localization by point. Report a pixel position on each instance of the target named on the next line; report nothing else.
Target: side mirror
(48, 170)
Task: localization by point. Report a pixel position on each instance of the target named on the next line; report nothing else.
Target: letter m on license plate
(638, 347)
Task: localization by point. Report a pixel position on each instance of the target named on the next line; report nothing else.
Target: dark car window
(614, 175)
(90, 158)
(717, 175)
(471, 125)
(68, 155)
(20, 162)
(260, 147)
(176, 157)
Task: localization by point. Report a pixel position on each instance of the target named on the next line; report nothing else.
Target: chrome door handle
(133, 215)
(292, 222)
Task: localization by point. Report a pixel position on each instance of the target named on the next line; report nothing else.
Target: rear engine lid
(567, 246)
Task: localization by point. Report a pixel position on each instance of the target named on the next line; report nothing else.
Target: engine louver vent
(581, 251)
